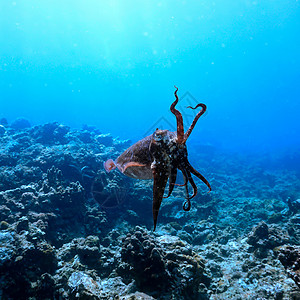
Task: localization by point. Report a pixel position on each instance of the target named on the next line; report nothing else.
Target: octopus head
(161, 137)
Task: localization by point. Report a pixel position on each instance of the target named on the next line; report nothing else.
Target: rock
(6, 247)
(23, 224)
(20, 124)
(137, 296)
(2, 130)
(50, 133)
(163, 262)
(4, 225)
(105, 139)
(88, 250)
(83, 286)
(260, 232)
(85, 136)
(60, 132)
(294, 205)
(3, 121)
(146, 257)
(267, 237)
(114, 287)
(45, 287)
(289, 256)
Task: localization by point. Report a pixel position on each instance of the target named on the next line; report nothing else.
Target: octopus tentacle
(187, 204)
(172, 180)
(180, 130)
(178, 184)
(196, 173)
(191, 180)
(184, 179)
(199, 114)
(160, 176)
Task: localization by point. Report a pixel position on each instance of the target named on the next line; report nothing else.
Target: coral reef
(165, 262)
(69, 230)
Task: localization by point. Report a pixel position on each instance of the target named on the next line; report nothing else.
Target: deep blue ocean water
(114, 64)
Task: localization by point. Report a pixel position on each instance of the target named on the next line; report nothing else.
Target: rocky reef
(165, 262)
(69, 230)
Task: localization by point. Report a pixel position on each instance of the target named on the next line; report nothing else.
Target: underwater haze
(84, 84)
(114, 64)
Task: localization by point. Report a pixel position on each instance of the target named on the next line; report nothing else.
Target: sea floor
(69, 230)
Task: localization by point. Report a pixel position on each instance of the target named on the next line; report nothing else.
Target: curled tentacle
(199, 114)
(191, 180)
(187, 205)
(196, 173)
(180, 130)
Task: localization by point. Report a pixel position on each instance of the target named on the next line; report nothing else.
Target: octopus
(159, 156)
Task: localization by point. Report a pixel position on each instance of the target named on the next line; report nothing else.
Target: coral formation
(289, 256)
(264, 237)
(165, 262)
(68, 230)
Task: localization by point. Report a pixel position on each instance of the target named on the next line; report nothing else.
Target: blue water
(114, 64)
